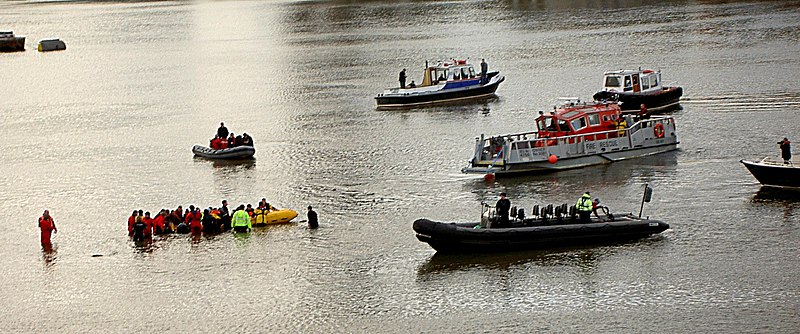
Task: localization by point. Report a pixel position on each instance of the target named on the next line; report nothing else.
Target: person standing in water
(312, 218)
(47, 226)
(241, 222)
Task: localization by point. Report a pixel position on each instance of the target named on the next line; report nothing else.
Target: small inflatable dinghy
(269, 217)
(238, 152)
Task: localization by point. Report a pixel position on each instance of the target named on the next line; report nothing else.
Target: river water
(106, 127)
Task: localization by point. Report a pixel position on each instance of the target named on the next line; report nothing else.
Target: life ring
(658, 130)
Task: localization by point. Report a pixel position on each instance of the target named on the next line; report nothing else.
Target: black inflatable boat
(547, 227)
(238, 152)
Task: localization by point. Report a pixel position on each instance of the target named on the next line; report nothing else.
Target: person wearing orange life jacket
(131, 221)
(196, 222)
(148, 222)
(158, 222)
(47, 226)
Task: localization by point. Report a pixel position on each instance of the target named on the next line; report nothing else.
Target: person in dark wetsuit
(484, 71)
(247, 140)
(403, 78)
(312, 218)
(502, 207)
(786, 150)
(138, 229)
(208, 222)
(222, 132)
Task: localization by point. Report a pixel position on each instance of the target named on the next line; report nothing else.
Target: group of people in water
(224, 139)
(194, 220)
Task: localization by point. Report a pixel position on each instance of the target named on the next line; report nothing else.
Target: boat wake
(745, 102)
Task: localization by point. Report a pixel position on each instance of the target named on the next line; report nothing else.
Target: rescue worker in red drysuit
(131, 221)
(47, 226)
(196, 224)
(158, 223)
(148, 229)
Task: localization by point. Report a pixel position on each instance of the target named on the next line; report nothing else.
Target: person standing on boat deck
(484, 71)
(48, 226)
(403, 78)
(621, 126)
(312, 218)
(786, 150)
(222, 132)
(502, 207)
(584, 207)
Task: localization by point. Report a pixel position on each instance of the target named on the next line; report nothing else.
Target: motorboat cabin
(446, 81)
(634, 88)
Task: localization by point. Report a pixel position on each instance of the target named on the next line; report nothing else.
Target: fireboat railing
(505, 146)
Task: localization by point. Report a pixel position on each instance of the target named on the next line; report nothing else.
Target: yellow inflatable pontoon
(268, 217)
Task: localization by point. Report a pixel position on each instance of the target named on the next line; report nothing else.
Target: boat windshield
(441, 74)
(613, 81)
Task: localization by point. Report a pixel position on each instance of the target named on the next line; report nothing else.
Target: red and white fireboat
(575, 134)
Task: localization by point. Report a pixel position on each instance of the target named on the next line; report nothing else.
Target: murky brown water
(107, 126)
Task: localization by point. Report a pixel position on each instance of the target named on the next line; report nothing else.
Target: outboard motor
(521, 213)
(572, 212)
(513, 212)
(535, 211)
(558, 213)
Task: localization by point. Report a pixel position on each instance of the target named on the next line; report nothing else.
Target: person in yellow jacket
(584, 207)
(241, 220)
(621, 126)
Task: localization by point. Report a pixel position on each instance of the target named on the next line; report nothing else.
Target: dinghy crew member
(621, 125)
(247, 140)
(47, 226)
(786, 150)
(222, 132)
(584, 207)
(502, 206)
(241, 220)
(312, 218)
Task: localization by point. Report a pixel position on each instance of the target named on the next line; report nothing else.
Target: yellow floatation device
(273, 216)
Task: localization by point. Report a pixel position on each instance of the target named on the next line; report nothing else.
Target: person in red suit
(48, 226)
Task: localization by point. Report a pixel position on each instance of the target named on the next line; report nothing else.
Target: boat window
(471, 72)
(522, 145)
(579, 123)
(654, 81)
(563, 125)
(613, 81)
(605, 118)
(571, 114)
(442, 74)
(464, 72)
(628, 85)
(594, 119)
(456, 74)
(645, 82)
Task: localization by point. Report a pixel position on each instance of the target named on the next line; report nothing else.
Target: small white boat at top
(576, 134)
(634, 88)
(238, 152)
(445, 82)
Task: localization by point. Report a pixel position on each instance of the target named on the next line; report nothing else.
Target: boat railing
(521, 146)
